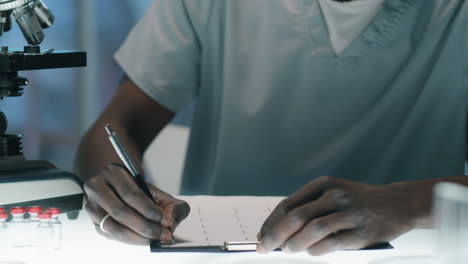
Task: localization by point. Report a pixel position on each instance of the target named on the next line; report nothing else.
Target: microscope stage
(22, 61)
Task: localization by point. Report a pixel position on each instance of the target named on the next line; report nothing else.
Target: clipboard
(230, 247)
(223, 224)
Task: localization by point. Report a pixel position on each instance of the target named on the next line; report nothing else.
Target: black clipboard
(228, 247)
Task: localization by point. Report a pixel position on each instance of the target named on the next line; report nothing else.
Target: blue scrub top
(276, 108)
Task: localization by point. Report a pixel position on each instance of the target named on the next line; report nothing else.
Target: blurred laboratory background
(60, 104)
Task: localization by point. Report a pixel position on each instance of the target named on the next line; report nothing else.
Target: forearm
(135, 117)
(421, 204)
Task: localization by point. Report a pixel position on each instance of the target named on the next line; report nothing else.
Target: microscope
(32, 182)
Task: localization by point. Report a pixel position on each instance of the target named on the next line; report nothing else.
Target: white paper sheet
(214, 220)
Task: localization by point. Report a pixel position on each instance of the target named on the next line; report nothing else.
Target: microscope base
(27, 183)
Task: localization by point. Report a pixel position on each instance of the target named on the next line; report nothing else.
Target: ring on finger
(101, 224)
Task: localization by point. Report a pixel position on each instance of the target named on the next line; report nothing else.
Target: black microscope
(32, 182)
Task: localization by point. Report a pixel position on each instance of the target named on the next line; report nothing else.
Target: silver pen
(124, 155)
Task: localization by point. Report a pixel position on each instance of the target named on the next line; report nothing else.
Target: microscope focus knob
(3, 123)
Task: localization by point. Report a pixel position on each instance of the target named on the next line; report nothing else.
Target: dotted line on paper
(240, 223)
(203, 225)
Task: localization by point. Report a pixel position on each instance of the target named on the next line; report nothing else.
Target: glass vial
(57, 226)
(31, 224)
(3, 232)
(44, 232)
(17, 227)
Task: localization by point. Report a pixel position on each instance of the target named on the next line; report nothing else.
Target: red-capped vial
(34, 209)
(3, 232)
(57, 226)
(31, 224)
(17, 214)
(17, 211)
(3, 216)
(2, 209)
(17, 227)
(44, 232)
(53, 211)
(33, 212)
(44, 216)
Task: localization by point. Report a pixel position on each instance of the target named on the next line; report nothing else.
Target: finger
(340, 241)
(313, 190)
(310, 192)
(115, 231)
(318, 229)
(174, 208)
(278, 213)
(276, 233)
(287, 226)
(95, 212)
(105, 197)
(127, 189)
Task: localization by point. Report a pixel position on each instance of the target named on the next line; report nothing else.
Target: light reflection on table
(81, 244)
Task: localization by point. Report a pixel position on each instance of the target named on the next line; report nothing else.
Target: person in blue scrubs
(352, 109)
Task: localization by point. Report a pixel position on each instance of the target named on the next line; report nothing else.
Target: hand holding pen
(124, 207)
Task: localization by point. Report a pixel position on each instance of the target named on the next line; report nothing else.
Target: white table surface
(81, 244)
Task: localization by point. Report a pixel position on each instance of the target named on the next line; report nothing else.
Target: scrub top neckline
(374, 35)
